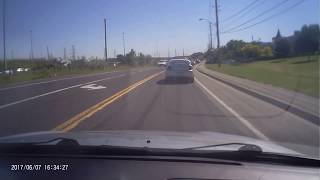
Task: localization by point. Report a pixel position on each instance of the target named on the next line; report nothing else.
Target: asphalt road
(142, 100)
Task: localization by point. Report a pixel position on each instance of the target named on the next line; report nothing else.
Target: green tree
(251, 51)
(148, 59)
(141, 59)
(234, 47)
(130, 57)
(121, 59)
(307, 39)
(281, 47)
(265, 52)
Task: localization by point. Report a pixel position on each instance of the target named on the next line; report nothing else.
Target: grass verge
(300, 74)
(57, 72)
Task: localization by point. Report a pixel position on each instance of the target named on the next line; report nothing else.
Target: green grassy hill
(298, 73)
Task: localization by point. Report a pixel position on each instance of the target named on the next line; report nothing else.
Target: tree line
(303, 42)
(132, 58)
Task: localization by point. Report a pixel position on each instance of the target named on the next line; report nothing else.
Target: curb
(285, 106)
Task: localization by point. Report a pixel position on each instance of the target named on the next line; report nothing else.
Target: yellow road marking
(74, 121)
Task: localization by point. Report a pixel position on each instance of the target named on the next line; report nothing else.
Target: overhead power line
(257, 16)
(268, 18)
(247, 11)
(240, 11)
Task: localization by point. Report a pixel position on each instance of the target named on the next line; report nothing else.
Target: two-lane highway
(142, 100)
(43, 106)
(158, 105)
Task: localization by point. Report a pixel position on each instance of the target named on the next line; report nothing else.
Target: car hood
(151, 139)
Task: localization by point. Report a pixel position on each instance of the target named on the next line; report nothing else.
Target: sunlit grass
(58, 72)
(299, 73)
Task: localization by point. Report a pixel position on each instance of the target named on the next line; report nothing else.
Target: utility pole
(210, 28)
(105, 39)
(183, 52)
(48, 54)
(4, 35)
(31, 46)
(73, 53)
(123, 44)
(114, 53)
(217, 24)
(157, 49)
(65, 54)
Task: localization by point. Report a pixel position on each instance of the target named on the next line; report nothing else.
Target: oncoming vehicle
(162, 63)
(179, 69)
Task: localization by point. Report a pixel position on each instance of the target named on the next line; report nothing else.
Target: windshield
(180, 74)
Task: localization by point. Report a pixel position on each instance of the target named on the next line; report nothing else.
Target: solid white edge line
(56, 91)
(242, 85)
(238, 116)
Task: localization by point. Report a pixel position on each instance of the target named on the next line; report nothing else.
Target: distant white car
(23, 69)
(179, 69)
(20, 70)
(162, 63)
(64, 62)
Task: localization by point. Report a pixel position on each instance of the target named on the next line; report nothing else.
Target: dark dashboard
(139, 168)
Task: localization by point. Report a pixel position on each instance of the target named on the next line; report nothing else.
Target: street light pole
(210, 29)
(4, 35)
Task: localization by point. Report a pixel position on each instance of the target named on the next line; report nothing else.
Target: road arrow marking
(56, 91)
(92, 87)
(74, 121)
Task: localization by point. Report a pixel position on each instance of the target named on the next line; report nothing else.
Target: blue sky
(148, 24)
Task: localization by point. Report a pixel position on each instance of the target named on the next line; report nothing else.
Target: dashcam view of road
(240, 78)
